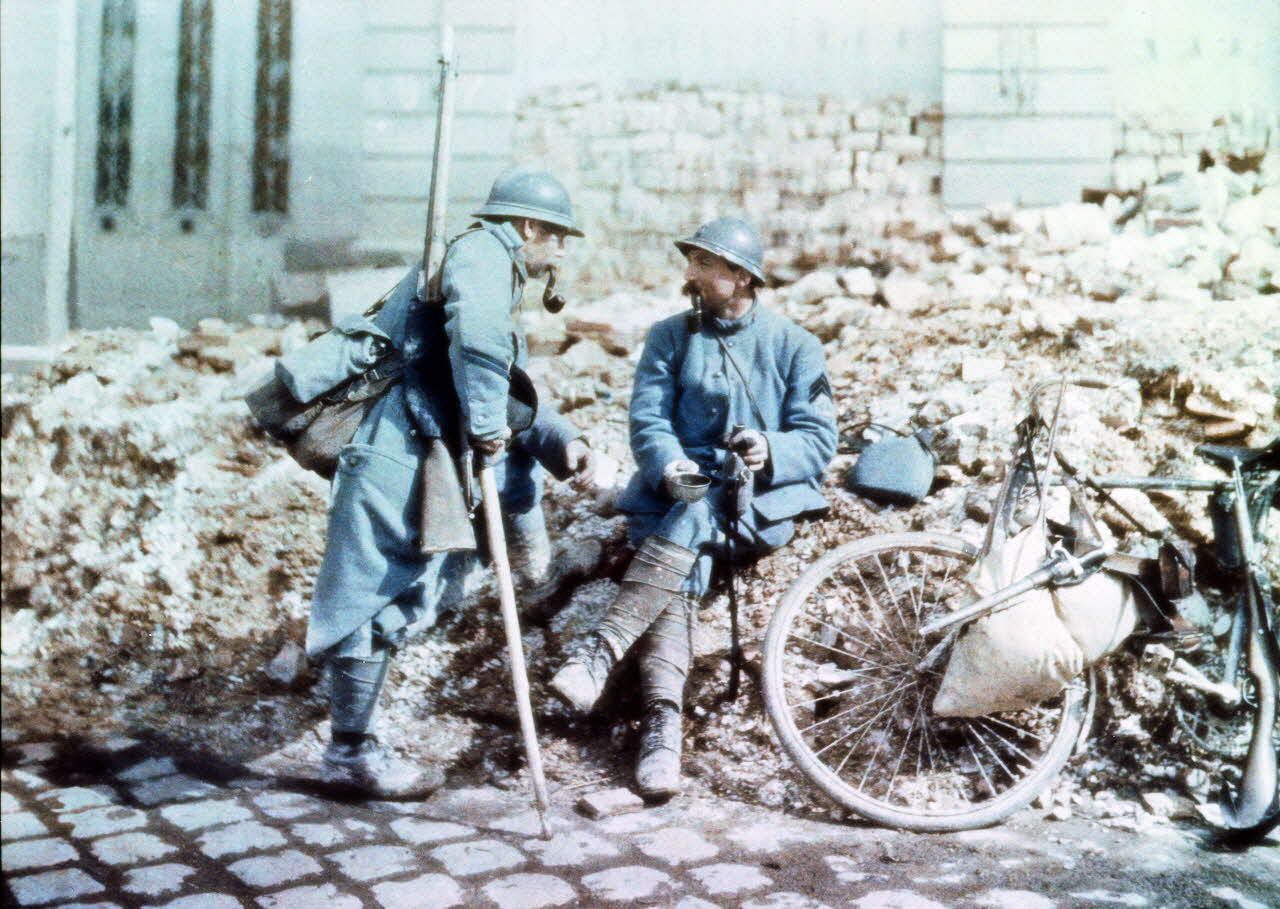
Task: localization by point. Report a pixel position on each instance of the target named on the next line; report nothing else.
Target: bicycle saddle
(1224, 456)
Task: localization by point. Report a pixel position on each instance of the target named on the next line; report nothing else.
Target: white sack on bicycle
(1017, 656)
(1029, 651)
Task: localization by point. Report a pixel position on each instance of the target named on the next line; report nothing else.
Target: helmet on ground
(733, 240)
(525, 192)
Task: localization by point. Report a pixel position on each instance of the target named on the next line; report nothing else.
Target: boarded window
(271, 108)
(191, 145)
(115, 103)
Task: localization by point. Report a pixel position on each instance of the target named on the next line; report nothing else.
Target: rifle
(738, 481)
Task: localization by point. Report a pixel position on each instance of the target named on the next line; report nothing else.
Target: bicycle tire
(937, 797)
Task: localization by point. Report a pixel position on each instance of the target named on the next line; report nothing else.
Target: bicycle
(855, 652)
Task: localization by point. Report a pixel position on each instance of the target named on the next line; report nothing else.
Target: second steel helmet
(733, 240)
(525, 192)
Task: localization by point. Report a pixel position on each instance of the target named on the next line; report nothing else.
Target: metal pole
(515, 647)
(437, 202)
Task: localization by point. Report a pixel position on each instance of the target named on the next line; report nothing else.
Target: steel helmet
(733, 240)
(525, 192)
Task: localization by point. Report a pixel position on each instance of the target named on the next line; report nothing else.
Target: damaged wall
(817, 175)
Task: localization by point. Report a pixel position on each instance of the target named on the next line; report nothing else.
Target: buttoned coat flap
(788, 501)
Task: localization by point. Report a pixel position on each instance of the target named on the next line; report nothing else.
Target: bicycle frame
(1256, 805)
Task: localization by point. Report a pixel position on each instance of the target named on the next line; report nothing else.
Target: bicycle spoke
(1008, 744)
(845, 653)
(837, 716)
(871, 602)
(977, 763)
(842, 631)
(855, 729)
(906, 743)
(1018, 729)
(892, 594)
(835, 693)
(991, 751)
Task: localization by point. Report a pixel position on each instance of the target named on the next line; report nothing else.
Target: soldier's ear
(742, 278)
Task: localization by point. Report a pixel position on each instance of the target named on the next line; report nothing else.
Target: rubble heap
(159, 550)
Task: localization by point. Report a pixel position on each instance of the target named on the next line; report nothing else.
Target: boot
(652, 582)
(357, 762)
(658, 763)
(580, 681)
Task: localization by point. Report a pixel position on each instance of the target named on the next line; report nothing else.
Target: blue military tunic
(690, 389)
(373, 580)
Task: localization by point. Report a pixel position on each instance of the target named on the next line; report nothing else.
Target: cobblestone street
(104, 823)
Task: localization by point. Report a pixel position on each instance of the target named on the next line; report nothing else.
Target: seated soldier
(729, 363)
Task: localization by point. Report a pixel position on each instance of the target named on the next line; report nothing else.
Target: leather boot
(358, 763)
(653, 580)
(658, 763)
(539, 581)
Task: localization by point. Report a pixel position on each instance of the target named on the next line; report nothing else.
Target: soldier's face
(718, 283)
(543, 246)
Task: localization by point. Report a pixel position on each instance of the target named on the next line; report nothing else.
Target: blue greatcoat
(373, 581)
(688, 393)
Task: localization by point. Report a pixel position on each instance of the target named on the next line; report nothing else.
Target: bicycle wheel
(849, 698)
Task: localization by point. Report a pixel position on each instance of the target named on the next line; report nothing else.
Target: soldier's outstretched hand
(581, 461)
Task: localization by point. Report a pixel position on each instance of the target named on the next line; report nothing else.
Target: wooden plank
(1010, 12)
(970, 184)
(1046, 93)
(1028, 47)
(1028, 138)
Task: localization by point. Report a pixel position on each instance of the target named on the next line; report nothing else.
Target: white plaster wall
(854, 49)
(1193, 60)
(28, 36)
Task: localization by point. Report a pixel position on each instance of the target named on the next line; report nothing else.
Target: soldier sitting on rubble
(728, 362)
(379, 575)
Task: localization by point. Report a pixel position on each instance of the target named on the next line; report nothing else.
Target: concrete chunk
(608, 803)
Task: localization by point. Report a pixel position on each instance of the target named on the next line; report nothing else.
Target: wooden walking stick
(515, 647)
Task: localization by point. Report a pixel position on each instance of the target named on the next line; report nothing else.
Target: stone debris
(608, 802)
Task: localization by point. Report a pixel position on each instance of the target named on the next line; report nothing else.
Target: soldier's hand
(675, 468)
(492, 447)
(753, 446)
(581, 461)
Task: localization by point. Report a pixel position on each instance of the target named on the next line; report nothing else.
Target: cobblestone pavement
(109, 824)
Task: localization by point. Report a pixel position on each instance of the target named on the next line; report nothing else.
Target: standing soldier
(389, 562)
(729, 376)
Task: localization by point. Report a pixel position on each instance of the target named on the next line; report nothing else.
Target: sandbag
(1017, 656)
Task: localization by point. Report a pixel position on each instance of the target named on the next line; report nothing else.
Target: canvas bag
(1029, 650)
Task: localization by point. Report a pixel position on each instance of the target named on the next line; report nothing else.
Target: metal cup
(690, 487)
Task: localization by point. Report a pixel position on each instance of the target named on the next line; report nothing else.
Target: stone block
(675, 846)
(27, 854)
(632, 883)
(103, 821)
(198, 815)
(906, 146)
(371, 863)
(20, 825)
(131, 848)
(530, 891)
(326, 895)
(171, 789)
(430, 891)
(157, 880)
(53, 887)
(729, 879)
(477, 857)
(249, 836)
(418, 831)
(265, 871)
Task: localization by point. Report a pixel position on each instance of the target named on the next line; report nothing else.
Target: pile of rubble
(160, 551)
